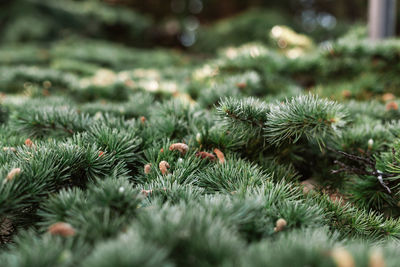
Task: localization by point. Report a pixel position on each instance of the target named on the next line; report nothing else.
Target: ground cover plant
(276, 152)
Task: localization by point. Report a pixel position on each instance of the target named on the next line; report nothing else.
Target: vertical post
(382, 18)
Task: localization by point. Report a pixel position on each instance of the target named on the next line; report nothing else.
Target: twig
(363, 169)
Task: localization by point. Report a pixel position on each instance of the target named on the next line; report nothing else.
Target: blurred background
(198, 25)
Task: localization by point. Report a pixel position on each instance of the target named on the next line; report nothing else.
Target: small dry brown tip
(143, 119)
(61, 229)
(376, 258)
(11, 175)
(220, 155)
(392, 106)
(241, 85)
(147, 168)
(164, 166)
(47, 84)
(181, 147)
(46, 92)
(342, 257)
(333, 120)
(129, 83)
(29, 143)
(388, 97)
(280, 225)
(205, 155)
(146, 192)
(6, 148)
(346, 93)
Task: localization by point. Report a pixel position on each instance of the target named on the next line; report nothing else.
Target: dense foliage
(280, 152)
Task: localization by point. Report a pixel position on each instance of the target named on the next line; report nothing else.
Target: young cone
(61, 229)
(14, 172)
(181, 147)
(164, 166)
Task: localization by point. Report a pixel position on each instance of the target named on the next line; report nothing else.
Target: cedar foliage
(309, 173)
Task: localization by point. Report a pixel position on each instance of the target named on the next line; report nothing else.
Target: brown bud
(46, 92)
(47, 84)
(61, 229)
(241, 85)
(181, 147)
(280, 225)
(146, 192)
(8, 148)
(205, 155)
(333, 120)
(346, 93)
(29, 143)
(14, 172)
(147, 168)
(220, 155)
(143, 119)
(388, 97)
(392, 106)
(376, 258)
(342, 258)
(164, 166)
